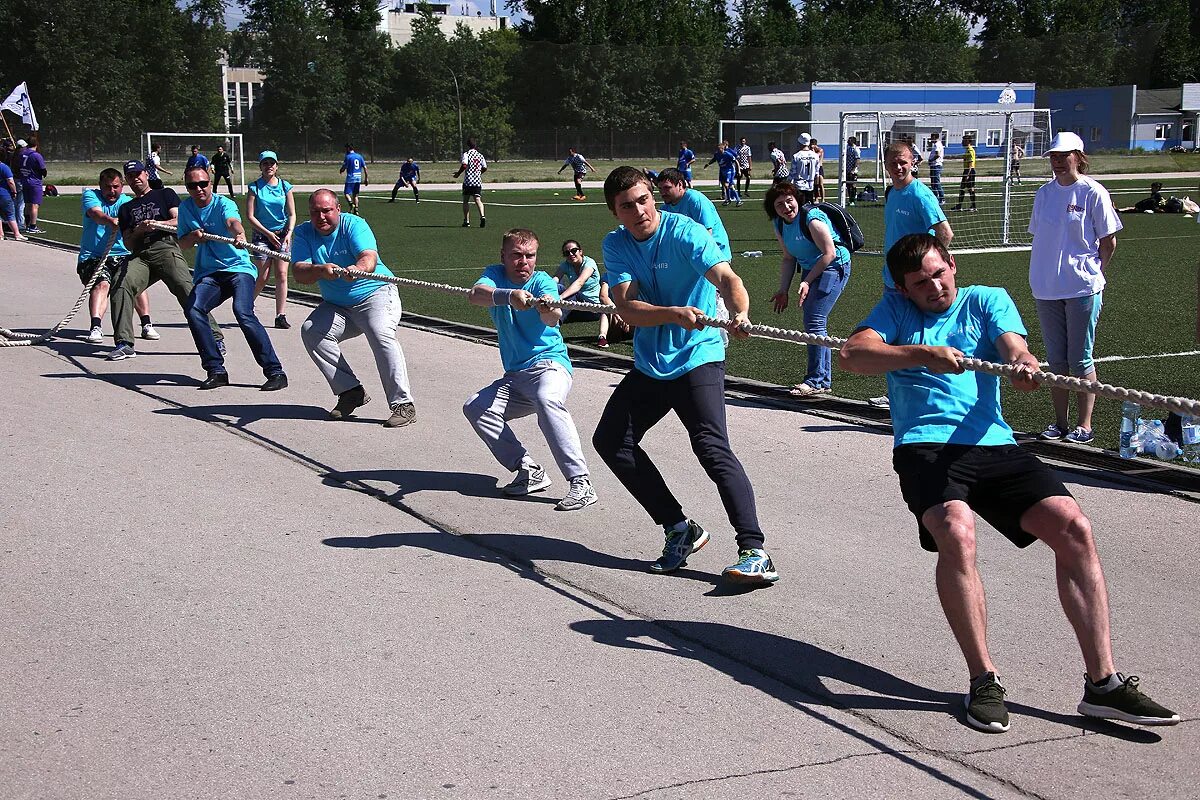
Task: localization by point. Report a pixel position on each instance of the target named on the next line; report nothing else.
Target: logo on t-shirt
(1074, 209)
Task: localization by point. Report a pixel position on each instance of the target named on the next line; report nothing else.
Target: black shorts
(472, 191)
(111, 266)
(968, 178)
(1000, 483)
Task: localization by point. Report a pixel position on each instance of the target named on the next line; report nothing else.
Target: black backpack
(845, 228)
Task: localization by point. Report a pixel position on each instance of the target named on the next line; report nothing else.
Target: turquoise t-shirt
(669, 268)
(524, 338)
(590, 291)
(913, 209)
(695, 205)
(947, 408)
(214, 256)
(95, 235)
(805, 251)
(342, 247)
(270, 204)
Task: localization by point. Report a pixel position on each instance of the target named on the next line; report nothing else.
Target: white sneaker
(879, 402)
(530, 478)
(580, 495)
(148, 332)
(95, 335)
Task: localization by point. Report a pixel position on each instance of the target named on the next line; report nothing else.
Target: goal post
(176, 148)
(990, 213)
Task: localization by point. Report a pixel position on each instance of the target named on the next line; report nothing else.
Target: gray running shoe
(530, 479)
(680, 545)
(580, 495)
(403, 414)
(122, 352)
(1124, 702)
(985, 704)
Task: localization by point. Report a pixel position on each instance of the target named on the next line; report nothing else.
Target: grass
(1150, 302)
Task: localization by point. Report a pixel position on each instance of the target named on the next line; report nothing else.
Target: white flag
(18, 103)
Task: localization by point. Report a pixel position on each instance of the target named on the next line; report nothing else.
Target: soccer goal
(176, 148)
(1009, 167)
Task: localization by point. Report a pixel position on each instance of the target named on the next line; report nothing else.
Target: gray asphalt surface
(223, 595)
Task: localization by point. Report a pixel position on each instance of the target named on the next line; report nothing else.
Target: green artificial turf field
(1150, 302)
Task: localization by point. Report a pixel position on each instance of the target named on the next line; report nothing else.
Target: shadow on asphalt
(243, 414)
(409, 481)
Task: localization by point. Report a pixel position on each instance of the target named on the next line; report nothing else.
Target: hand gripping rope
(13, 339)
(1180, 405)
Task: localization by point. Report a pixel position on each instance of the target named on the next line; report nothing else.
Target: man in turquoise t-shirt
(679, 199)
(100, 209)
(350, 307)
(537, 373)
(955, 457)
(664, 271)
(221, 271)
(910, 206)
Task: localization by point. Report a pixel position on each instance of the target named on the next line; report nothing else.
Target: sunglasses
(196, 185)
(570, 251)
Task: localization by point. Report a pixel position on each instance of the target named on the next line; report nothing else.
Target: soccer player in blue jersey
(580, 165)
(684, 161)
(726, 158)
(410, 175)
(196, 159)
(664, 271)
(356, 176)
(956, 457)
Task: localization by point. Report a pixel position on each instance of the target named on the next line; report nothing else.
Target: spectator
(271, 209)
(745, 164)
(33, 171)
(14, 163)
(1154, 204)
(853, 159)
(819, 184)
(8, 191)
(578, 279)
(805, 162)
(937, 161)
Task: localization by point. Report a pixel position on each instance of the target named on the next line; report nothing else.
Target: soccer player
(744, 163)
(537, 374)
(154, 166)
(1018, 152)
(684, 161)
(805, 163)
(967, 184)
(580, 165)
(410, 175)
(663, 271)
(779, 163)
(222, 168)
(356, 176)
(471, 167)
(956, 457)
(222, 271)
(196, 159)
(350, 308)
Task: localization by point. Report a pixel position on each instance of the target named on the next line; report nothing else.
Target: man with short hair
(537, 374)
(196, 159)
(154, 166)
(679, 199)
(356, 176)
(779, 163)
(853, 159)
(744, 164)
(471, 167)
(580, 165)
(32, 171)
(956, 456)
(909, 205)
(937, 162)
(222, 271)
(350, 307)
(1018, 153)
(819, 183)
(967, 184)
(154, 256)
(14, 163)
(100, 209)
(684, 161)
(410, 175)
(664, 271)
(805, 163)
(222, 168)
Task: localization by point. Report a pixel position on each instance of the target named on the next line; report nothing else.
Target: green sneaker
(985, 704)
(1120, 698)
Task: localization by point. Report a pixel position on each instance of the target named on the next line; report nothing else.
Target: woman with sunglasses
(579, 279)
(271, 209)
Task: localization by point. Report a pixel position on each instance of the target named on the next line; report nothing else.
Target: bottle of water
(752, 254)
(1129, 424)
(1191, 439)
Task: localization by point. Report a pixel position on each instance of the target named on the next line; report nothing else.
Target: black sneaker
(1120, 698)
(214, 380)
(680, 545)
(483, 222)
(282, 323)
(274, 383)
(466, 223)
(348, 401)
(985, 704)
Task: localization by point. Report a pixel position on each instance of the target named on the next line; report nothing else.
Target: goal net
(1009, 169)
(174, 150)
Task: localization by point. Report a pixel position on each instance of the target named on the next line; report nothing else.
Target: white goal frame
(223, 138)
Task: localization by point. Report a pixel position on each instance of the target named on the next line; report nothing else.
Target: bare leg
(141, 304)
(1086, 402)
(259, 284)
(98, 300)
(479, 205)
(281, 285)
(959, 587)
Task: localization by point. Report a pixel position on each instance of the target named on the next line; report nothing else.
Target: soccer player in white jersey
(471, 167)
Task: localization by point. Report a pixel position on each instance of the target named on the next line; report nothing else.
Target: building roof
(1158, 101)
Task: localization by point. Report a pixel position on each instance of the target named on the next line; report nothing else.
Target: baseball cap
(1065, 142)
(134, 167)
(265, 154)
(804, 138)
(22, 143)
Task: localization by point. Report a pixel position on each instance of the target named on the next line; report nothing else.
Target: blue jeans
(821, 297)
(935, 182)
(211, 291)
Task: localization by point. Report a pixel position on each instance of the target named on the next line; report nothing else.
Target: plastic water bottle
(752, 254)
(1191, 439)
(1130, 412)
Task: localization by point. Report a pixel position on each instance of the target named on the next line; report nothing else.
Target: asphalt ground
(223, 594)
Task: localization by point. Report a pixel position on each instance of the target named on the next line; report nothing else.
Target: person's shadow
(248, 413)
(411, 481)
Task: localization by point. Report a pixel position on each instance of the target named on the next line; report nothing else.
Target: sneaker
(148, 332)
(275, 383)
(602, 341)
(580, 495)
(1052, 432)
(679, 545)
(122, 352)
(483, 222)
(466, 223)
(985, 704)
(282, 323)
(1120, 698)
(808, 390)
(753, 566)
(403, 414)
(973, 210)
(95, 335)
(1080, 435)
(879, 402)
(530, 478)
(348, 401)
(35, 229)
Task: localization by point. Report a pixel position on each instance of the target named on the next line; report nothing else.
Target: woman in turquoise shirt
(271, 209)
(811, 245)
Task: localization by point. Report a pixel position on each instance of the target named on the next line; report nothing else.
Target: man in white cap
(805, 164)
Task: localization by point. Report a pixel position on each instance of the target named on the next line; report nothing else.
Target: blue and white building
(1128, 117)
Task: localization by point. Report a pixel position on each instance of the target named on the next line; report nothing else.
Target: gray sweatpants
(376, 318)
(539, 389)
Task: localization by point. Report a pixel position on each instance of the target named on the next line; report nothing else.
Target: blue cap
(265, 154)
(134, 167)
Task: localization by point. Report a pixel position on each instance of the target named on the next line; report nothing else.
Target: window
(972, 134)
(993, 137)
(1162, 132)
(864, 138)
(885, 138)
(1186, 132)
(1095, 133)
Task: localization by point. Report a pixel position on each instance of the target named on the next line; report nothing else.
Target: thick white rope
(1180, 405)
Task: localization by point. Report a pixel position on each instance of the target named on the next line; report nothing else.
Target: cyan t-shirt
(805, 251)
(913, 209)
(354, 167)
(95, 234)
(669, 268)
(342, 247)
(524, 338)
(270, 203)
(694, 205)
(214, 256)
(590, 291)
(948, 408)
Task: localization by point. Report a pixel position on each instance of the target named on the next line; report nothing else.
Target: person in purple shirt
(31, 171)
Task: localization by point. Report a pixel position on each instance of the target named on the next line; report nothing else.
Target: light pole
(458, 99)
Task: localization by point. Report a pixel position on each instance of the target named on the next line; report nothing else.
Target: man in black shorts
(956, 457)
(222, 167)
(471, 167)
